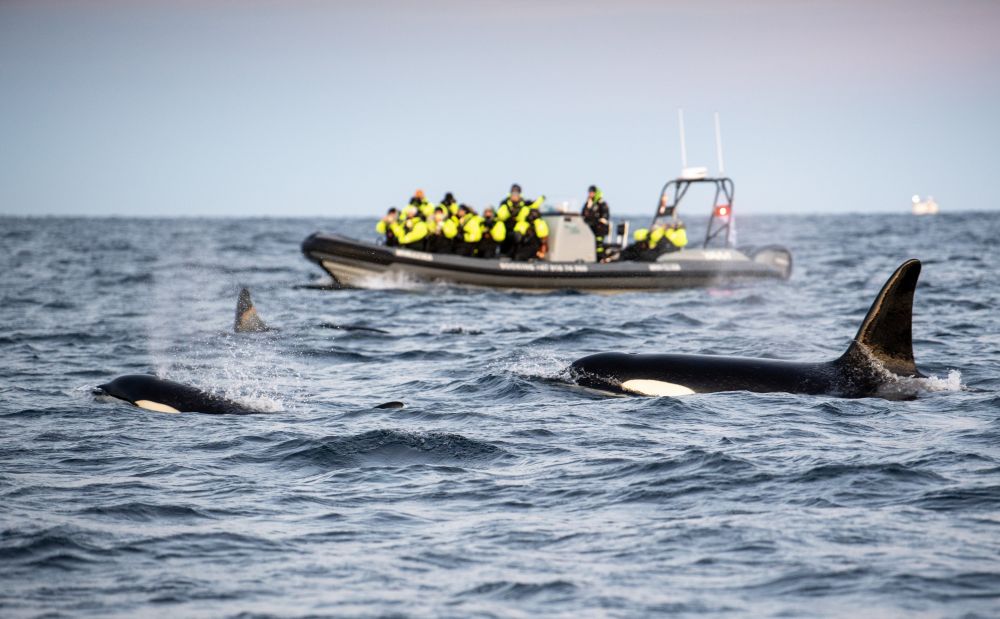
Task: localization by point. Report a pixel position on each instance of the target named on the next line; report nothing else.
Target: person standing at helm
(597, 215)
(532, 237)
(494, 234)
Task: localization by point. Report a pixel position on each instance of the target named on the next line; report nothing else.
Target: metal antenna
(684, 150)
(718, 144)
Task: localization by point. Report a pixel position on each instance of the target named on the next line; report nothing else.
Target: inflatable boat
(570, 263)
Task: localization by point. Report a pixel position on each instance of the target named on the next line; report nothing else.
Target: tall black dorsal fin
(247, 320)
(887, 332)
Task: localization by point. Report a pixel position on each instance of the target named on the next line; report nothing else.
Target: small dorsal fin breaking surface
(247, 319)
(886, 334)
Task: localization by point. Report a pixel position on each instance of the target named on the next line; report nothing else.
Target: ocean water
(499, 490)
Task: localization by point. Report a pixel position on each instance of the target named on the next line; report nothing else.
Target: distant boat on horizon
(924, 207)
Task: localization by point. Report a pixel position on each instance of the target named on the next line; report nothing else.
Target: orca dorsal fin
(886, 334)
(247, 319)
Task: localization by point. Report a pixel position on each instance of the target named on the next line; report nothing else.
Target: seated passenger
(449, 204)
(423, 206)
(677, 235)
(638, 248)
(412, 234)
(409, 211)
(514, 208)
(471, 228)
(531, 237)
(385, 226)
(441, 232)
(494, 234)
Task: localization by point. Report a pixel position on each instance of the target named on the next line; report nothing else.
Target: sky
(225, 108)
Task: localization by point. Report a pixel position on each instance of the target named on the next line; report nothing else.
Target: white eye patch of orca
(656, 388)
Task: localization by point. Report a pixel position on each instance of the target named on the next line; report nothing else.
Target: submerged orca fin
(247, 319)
(886, 334)
(393, 404)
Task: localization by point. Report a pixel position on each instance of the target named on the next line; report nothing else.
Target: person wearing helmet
(597, 215)
(532, 237)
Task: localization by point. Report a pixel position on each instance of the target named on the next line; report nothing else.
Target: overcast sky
(337, 108)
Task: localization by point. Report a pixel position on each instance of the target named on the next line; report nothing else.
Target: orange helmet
(419, 194)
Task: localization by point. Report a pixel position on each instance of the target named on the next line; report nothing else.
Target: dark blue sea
(499, 491)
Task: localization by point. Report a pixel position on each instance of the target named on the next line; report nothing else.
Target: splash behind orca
(881, 354)
(166, 396)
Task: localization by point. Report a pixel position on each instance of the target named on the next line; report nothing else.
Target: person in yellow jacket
(412, 234)
(532, 237)
(677, 235)
(512, 209)
(470, 227)
(640, 249)
(449, 204)
(442, 231)
(656, 236)
(422, 204)
(494, 234)
(409, 211)
(385, 227)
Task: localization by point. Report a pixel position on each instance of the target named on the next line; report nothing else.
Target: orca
(247, 318)
(165, 396)
(876, 363)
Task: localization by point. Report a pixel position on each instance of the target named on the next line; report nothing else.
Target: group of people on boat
(648, 245)
(514, 229)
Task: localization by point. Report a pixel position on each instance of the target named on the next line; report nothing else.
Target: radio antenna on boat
(684, 150)
(718, 145)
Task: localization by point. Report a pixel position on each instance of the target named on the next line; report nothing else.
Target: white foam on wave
(391, 281)
(544, 364)
(953, 382)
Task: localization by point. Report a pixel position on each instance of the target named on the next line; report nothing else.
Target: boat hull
(356, 264)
